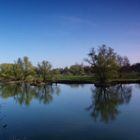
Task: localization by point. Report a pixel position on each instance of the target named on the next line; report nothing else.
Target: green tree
(104, 63)
(123, 64)
(77, 69)
(6, 71)
(23, 68)
(43, 70)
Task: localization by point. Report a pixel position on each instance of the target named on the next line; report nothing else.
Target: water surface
(69, 112)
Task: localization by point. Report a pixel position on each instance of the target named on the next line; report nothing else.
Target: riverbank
(81, 80)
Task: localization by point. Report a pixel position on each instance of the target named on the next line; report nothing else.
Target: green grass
(71, 78)
(127, 78)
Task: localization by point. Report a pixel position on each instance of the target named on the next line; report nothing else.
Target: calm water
(72, 112)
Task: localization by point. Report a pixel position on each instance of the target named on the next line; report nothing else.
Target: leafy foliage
(43, 69)
(104, 63)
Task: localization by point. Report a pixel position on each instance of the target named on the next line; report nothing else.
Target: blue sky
(63, 31)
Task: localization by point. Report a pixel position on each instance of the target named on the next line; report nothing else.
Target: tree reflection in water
(105, 101)
(23, 94)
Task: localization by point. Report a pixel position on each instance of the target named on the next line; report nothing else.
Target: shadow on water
(106, 101)
(23, 94)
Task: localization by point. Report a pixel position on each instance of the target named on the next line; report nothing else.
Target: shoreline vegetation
(104, 68)
(76, 81)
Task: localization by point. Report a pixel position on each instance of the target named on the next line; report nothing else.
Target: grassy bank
(74, 80)
(90, 80)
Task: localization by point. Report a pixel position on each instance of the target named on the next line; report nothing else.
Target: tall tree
(23, 68)
(123, 64)
(104, 63)
(43, 70)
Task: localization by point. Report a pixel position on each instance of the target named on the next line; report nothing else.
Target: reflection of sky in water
(66, 114)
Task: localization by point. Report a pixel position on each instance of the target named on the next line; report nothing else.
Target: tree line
(103, 64)
(23, 70)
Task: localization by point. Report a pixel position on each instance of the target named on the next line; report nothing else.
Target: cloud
(77, 20)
